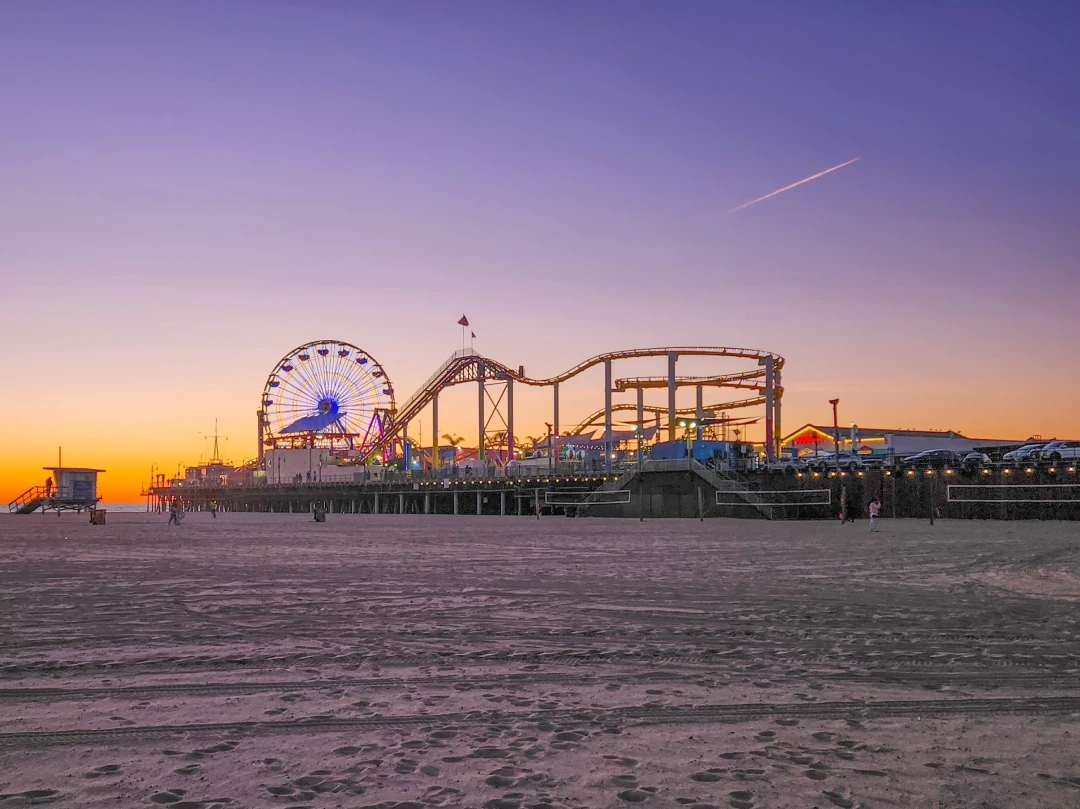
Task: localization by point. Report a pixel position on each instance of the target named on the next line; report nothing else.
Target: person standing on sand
(174, 512)
(875, 508)
(213, 507)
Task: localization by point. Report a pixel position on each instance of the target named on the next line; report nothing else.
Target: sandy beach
(409, 662)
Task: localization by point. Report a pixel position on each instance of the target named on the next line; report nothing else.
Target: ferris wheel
(326, 394)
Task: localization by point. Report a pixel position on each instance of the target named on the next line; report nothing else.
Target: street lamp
(836, 434)
(690, 427)
(639, 434)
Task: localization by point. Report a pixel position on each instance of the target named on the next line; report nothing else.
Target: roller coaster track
(753, 380)
(469, 365)
(597, 417)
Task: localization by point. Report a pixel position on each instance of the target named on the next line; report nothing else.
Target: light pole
(690, 427)
(639, 434)
(836, 455)
(836, 435)
(551, 447)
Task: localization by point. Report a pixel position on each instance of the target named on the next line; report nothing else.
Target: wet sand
(269, 661)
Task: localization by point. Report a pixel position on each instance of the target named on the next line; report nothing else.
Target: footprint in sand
(489, 752)
(570, 736)
(34, 796)
(816, 775)
(625, 781)
(622, 761)
(105, 769)
(741, 799)
(707, 777)
(765, 736)
(172, 796)
(840, 799)
(502, 803)
(346, 751)
(501, 778)
(190, 769)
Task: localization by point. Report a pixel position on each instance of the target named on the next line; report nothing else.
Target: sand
(266, 660)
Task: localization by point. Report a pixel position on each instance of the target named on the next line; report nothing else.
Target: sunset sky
(190, 190)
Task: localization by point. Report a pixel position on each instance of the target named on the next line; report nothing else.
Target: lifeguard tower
(67, 489)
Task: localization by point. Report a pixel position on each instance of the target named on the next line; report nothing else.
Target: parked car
(785, 465)
(1024, 453)
(1060, 451)
(932, 458)
(823, 463)
(977, 459)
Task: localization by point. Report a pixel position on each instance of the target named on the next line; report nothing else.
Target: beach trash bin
(97, 516)
(320, 513)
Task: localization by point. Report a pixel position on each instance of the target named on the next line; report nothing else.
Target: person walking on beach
(213, 507)
(875, 508)
(174, 512)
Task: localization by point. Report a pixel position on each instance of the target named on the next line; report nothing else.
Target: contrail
(793, 185)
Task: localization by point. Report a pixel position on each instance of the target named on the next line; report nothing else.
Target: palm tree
(453, 441)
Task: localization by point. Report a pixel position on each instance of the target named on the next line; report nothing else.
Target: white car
(823, 463)
(1060, 451)
(1024, 453)
(785, 465)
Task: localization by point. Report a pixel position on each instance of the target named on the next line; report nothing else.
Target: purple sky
(236, 179)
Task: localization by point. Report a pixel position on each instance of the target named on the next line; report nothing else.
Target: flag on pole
(464, 321)
(474, 335)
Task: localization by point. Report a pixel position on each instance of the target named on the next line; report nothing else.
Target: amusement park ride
(331, 395)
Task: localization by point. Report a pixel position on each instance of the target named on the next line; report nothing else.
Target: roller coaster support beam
(555, 415)
(481, 455)
(699, 413)
(405, 447)
(672, 358)
(770, 398)
(777, 431)
(509, 424)
(607, 416)
(435, 430)
(641, 408)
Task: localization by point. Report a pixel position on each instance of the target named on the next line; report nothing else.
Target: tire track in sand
(645, 714)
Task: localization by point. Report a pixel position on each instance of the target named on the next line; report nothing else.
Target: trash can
(320, 513)
(97, 516)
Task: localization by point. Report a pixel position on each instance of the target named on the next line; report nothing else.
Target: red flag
(464, 321)
(474, 335)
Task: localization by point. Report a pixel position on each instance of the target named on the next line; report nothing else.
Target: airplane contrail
(793, 185)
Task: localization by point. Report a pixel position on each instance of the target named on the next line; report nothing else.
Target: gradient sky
(189, 190)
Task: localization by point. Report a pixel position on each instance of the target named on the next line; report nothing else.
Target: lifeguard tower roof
(70, 469)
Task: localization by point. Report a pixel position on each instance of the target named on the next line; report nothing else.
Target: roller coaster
(332, 394)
